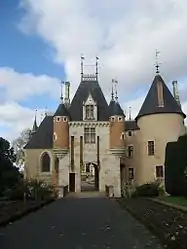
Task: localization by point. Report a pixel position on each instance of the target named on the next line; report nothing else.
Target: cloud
(124, 34)
(15, 118)
(17, 86)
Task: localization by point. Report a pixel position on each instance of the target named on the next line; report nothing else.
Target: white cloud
(15, 118)
(19, 86)
(16, 87)
(124, 34)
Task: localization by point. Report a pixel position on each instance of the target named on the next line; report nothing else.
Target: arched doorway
(90, 177)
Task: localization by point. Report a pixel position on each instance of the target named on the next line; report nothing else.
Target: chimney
(175, 91)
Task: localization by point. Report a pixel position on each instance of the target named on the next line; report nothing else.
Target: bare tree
(18, 145)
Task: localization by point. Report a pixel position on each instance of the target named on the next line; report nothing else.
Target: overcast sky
(41, 43)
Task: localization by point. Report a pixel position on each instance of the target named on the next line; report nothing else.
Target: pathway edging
(24, 213)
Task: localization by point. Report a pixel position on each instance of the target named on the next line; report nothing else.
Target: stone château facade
(88, 130)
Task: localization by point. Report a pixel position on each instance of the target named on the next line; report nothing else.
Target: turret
(117, 127)
(61, 128)
(35, 126)
(160, 120)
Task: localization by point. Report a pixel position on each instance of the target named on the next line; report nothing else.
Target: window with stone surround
(151, 148)
(159, 171)
(89, 112)
(130, 151)
(45, 162)
(131, 173)
(89, 135)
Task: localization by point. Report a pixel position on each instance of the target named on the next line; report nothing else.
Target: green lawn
(175, 200)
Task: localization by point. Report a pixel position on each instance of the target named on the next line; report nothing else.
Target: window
(120, 119)
(89, 112)
(122, 136)
(57, 119)
(131, 173)
(159, 171)
(130, 133)
(54, 136)
(45, 161)
(151, 148)
(130, 150)
(89, 135)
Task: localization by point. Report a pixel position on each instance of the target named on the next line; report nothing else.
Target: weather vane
(157, 63)
(61, 92)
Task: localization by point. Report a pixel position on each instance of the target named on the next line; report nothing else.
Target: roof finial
(157, 65)
(97, 67)
(61, 92)
(35, 126)
(46, 110)
(130, 114)
(116, 93)
(112, 93)
(82, 66)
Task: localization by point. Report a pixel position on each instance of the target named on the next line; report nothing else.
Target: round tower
(117, 128)
(61, 128)
(160, 120)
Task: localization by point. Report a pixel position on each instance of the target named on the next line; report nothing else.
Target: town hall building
(88, 137)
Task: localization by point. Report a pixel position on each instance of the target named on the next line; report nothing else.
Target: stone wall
(32, 168)
(160, 128)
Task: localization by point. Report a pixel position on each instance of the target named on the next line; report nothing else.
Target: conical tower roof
(61, 111)
(115, 109)
(35, 126)
(151, 102)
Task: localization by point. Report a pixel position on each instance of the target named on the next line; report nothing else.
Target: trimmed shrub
(175, 165)
(148, 190)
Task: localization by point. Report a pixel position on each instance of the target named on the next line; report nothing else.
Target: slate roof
(115, 109)
(61, 111)
(131, 125)
(35, 126)
(43, 137)
(150, 104)
(85, 88)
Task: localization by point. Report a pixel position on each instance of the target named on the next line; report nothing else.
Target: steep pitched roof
(42, 138)
(115, 109)
(35, 126)
(150, 104)
(131, 125)
(85, 88)
(61, 111)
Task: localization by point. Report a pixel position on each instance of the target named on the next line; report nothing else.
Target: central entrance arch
(90, 177)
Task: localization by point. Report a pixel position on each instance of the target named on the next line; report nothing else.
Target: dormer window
(89, 112)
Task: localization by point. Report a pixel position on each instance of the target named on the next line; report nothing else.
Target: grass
(178, 200)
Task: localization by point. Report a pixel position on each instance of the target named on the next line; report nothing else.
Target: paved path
(73, 223)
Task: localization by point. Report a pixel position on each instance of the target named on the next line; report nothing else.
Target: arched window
(45, 162)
